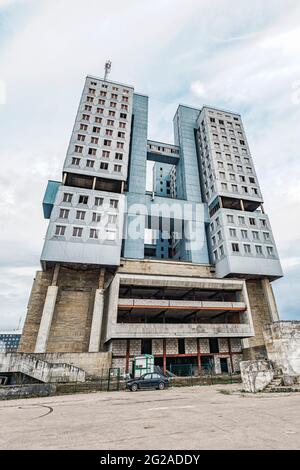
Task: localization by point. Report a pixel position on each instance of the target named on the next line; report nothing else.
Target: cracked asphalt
(200, 417)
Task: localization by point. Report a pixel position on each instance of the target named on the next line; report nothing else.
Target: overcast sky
(238, 55)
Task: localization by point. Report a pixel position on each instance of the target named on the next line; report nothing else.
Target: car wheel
(134, 387)
(161, 386)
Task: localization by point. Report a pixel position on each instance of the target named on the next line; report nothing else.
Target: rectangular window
(96, 129)
(146, 346)
(81, 137)
(67, 197)
(107, 142)
(96, 217)
(60, 230)
(230, 218)
(247, 249)
(99, 201)
(255, 235)
(244, 233)
(105, 153)
(235, 247)
(112, 218)
(94, 233)
(113, 203)
(83, 127)
(94, 140)
(83, 199)
(80, 215)
(77, 231)
(213, 345)
(64, 213)
(181, 346)
(270, 250)
(118, 156)
(258, 249)
(92, 151)
(232, 232)
(75, 161)
(103, 166)
(252, 221)
(117, 168)
(78, 148)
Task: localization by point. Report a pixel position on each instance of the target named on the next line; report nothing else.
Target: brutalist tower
(153, 248)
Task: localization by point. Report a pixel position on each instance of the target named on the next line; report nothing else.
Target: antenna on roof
(107, 68)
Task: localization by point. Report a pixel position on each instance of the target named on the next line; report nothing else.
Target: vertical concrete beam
(127, 355)
(164, 355)
(95, 336)
(47, 314)
(268, 291)
(198, 356)
(46, 320)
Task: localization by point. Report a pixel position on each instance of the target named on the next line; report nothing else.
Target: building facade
(182, 271)
(9, 341)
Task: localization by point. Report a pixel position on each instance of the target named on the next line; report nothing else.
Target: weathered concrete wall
(35, 308)
(40, 369)
(72, 317)
(261, 316)
(165, 268)
(283, 345)
(256, 375)
(91, 363)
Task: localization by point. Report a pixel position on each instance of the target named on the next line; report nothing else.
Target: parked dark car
(147, 381)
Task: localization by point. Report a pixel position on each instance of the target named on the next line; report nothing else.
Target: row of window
(242, 220)
(80, 215)
(163, 149)
(84, 199)
(106, 143)
(106, 86)
(105, 93)
(245, 249)
(78, 232)
(91, 164)
(108, 132)
(233, 233)
(234, 188)
(113, 105)
(97, 110)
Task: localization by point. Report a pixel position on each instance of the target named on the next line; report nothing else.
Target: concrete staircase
(277, 385)
(39, 369)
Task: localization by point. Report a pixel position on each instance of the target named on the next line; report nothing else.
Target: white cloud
(197, 88)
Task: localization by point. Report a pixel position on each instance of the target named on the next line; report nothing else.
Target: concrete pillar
(268, 291)
(45, 325)
(95, 335)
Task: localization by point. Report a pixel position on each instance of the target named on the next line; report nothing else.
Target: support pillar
(198, 356)
(127, 355)
(164, 355)
(268, 291)
(230, 354)
(47, 314)
(95, 336)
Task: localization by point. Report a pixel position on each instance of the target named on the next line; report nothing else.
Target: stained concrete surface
(200, 417)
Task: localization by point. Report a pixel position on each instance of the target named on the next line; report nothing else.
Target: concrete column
(268, 291)
(95, 335)
(45, 325)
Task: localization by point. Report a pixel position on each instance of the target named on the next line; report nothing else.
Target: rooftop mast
(107, 68)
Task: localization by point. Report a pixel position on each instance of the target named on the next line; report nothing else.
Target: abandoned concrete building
(153, 247)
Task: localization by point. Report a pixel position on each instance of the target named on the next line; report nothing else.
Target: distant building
(9, 341)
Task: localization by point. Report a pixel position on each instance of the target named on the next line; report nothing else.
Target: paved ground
(178, 418)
